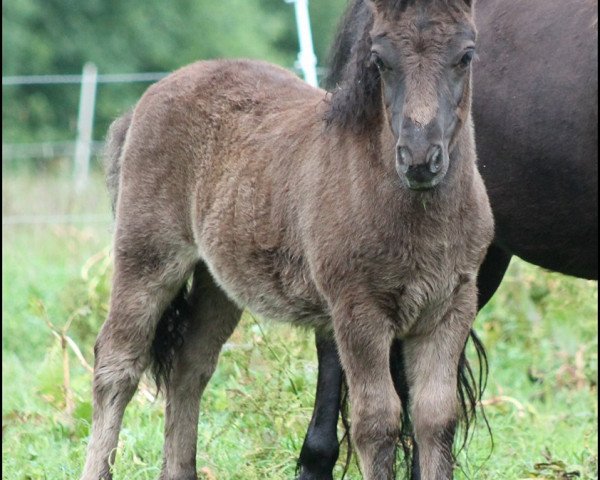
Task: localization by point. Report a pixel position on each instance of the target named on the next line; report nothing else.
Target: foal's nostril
(435, 159)
(403, 157)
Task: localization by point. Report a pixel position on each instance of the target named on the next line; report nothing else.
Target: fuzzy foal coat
(227, 167)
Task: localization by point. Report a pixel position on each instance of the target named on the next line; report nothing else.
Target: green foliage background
(58, 36)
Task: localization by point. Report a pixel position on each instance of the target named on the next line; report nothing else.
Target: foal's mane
(353, 81)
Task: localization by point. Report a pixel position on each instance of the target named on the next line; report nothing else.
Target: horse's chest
(417, 286)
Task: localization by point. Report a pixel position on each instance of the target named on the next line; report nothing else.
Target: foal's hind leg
(147, 277)
(213, 319)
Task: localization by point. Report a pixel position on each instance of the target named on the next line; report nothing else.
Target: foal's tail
(168, 337)
(115, 141)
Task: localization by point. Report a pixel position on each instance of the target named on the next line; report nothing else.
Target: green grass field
(540, 331)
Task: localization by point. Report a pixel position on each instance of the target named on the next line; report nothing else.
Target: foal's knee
(434, 418)
(375, 434)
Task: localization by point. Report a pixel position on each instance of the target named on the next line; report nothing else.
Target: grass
(540, 331)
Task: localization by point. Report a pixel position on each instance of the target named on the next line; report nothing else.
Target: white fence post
(306, 57)
(85, 124)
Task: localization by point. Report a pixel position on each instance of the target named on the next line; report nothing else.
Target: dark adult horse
(535, 108)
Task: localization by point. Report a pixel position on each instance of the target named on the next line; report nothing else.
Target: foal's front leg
(431, 362)
(364, 335)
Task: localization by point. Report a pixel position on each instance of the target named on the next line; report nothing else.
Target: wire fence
(78, 153)
(44, 150)
(56, 219)
(59, 149)
(66, 79)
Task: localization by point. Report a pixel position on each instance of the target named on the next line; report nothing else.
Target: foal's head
(411, 71)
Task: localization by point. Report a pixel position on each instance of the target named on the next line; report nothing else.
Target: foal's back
(213, 149)
(199, 119)
(191, 127)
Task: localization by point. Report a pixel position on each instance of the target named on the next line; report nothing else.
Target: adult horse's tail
(168, 337)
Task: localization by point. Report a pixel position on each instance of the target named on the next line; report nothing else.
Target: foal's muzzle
(424, 173)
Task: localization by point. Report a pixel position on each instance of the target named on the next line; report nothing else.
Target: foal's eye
(378, 62)
(466, 59)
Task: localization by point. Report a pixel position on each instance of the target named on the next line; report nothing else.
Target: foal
(362, 215)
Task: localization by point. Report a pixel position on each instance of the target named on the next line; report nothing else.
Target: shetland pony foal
(362, 214)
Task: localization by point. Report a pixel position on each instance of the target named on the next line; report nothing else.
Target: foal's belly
(251, 258)
(270, 283)
(277, 285)
(274, 281)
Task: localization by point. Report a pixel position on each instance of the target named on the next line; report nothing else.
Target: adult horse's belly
(535, 108)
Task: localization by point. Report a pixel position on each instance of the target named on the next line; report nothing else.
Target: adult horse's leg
(148, 273)
(364, 335)
(321, 448)
(491, 273)
(431, 363)
(214, 317)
